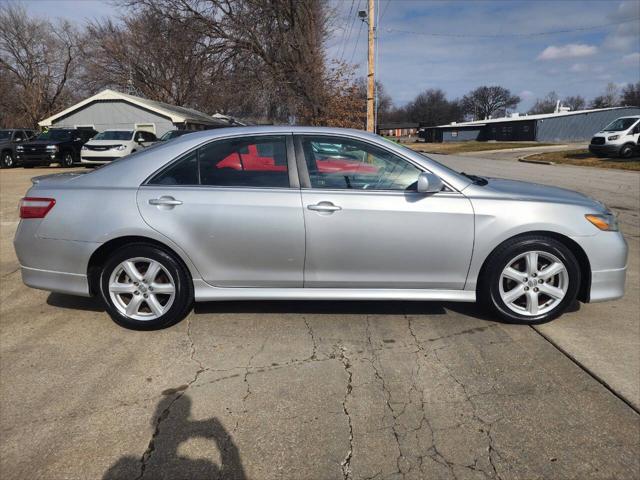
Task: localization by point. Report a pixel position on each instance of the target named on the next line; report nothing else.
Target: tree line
(260, 60)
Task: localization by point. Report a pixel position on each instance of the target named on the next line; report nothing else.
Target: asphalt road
(312, 390)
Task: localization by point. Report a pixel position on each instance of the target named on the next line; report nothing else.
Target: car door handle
(165, 201)
(324, 207)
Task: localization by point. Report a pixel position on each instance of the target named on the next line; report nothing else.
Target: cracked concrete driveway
(305, 390)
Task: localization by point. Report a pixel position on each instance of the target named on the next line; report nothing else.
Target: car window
(148, 137)
(19, 136)
(351, 164)
(240, 162)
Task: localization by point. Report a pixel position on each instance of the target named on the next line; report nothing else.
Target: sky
(529, 46)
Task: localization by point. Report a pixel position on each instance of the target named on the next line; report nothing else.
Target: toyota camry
(302, 213)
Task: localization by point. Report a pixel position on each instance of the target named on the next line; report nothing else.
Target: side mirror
(429, 183)
(78, 139)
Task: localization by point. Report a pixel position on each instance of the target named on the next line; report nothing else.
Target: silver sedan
(311, 213)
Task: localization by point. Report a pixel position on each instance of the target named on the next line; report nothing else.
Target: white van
(619, 138)
(113, 144)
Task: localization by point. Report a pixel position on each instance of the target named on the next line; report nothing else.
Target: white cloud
(632, 59)
(571, 50)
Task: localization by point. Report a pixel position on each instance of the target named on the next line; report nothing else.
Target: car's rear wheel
(145, 288)
(530, 280)
(6, 160)
(67, 159)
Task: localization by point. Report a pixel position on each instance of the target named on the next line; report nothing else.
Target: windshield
(55, 135)
(5, 134)
(173, 134)
(114, 135)
(620, 125)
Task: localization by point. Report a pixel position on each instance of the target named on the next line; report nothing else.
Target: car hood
(528, 191)
(43, 142)
(107, 142)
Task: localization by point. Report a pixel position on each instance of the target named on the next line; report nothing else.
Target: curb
(538, 162)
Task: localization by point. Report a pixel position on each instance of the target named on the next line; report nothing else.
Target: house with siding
(116, 110)
(562, 126)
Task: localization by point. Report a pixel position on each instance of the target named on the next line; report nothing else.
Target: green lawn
(463, 147)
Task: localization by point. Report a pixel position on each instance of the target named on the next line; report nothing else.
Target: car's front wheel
(145, 288)
(626, 151)
(530, 279)
(6, 160)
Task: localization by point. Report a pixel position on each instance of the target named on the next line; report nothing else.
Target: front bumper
(611, 150)
(607, 253)
(97, 160)
(37, 158)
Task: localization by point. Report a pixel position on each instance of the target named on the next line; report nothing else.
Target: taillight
(34, 207)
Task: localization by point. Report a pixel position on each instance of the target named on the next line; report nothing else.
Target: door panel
(239, 222)
(388, 240)
(235, 237)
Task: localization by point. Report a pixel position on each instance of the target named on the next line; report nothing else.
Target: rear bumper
(60, 282)
(605, 149)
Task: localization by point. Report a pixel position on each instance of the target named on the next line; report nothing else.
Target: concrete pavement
(303, 390)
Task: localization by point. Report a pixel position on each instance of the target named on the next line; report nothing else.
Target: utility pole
(371, 127)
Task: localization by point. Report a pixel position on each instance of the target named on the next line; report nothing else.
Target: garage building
(563, 126)
(115, 110)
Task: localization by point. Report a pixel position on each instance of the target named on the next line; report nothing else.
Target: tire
(513, 294)
(626, 151)
(118, 290)
(6, 160)
(67, 160)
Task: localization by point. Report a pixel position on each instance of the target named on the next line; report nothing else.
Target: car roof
(142, 164)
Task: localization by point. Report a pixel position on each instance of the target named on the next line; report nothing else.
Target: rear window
(259, 161)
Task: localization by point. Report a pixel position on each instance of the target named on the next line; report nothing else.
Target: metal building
(115, 110)
(563, 126)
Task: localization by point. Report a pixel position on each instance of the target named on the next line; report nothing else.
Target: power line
(350, 22)
(385, 10)
(507, 35)
(357, 40)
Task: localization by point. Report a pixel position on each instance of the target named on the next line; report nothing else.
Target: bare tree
(281, 40)
(432, 107)
(545, 105)
(40, 61)
(485, 102)
(575, 102)
(610, 98)
(631, 95)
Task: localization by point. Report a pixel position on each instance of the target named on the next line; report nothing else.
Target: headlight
(121, 147)
(613, 137)
(605, 221)
(20, 148)
(52, 148)
(84, 148)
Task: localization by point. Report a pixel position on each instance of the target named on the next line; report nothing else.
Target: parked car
(56, 145)
(114, 144)
(171, 134)
(621, 138)
(10, 138)
(184, 221)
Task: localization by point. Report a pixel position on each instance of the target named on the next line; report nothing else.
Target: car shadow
(172, 428)
(60, 300)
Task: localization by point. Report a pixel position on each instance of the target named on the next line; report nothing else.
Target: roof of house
(542, 116)
(176, 114)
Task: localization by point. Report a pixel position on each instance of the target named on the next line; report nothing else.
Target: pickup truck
(10, 138)
(56, 145)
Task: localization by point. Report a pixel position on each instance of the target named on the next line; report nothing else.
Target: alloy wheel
(534, 283)
(142, 288)
(7, 160)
